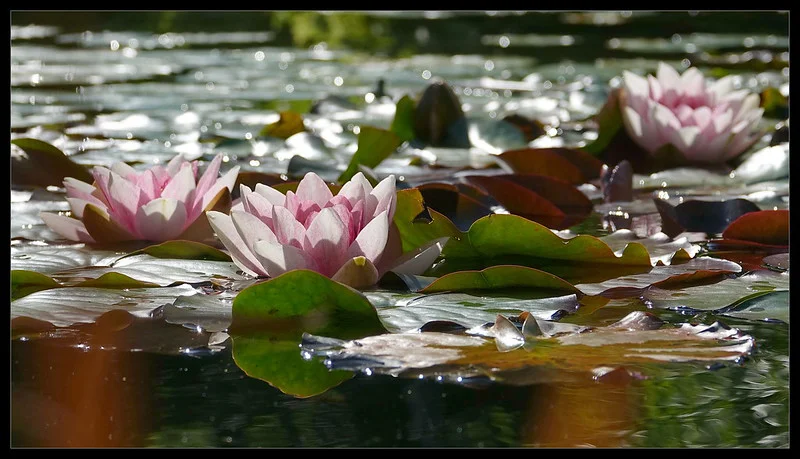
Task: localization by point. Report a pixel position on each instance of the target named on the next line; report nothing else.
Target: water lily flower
(157, 204)
(706, 123)
(349, 237)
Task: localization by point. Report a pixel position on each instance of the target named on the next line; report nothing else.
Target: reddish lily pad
(546, 200)
(570, 165)
(768, 227)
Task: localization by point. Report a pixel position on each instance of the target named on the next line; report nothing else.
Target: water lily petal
(371, 241)
(326, 240)
(161, 219)
(77, 205)
(386, 195)
(720, 89)
(181, 185)
(70, 228)
(701, 117)
(286, 227)
(256, 204)
(223, 226)
(274, 196)
(635, 85)
(642, 132)
(174, 165)
(125, 170)
(252, 229)
(148, 183)
(357, 189)
(313, 188)
(280, 258)
(123, 197)
(693, 84)
(228, 180)
(748, 108)
(209, 177)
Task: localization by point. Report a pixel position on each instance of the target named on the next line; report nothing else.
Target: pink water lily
(349, 237)
(157, 204)
(706, 123)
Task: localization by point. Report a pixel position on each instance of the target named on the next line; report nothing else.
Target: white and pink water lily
(707, 123)
(157, 204)
(349, 237)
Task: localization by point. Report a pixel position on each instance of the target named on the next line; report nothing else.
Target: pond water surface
(143, 87)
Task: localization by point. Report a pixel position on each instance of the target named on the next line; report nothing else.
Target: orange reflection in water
(88, 396)
(592, 413)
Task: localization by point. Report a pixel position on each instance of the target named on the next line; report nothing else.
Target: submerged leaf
(459, 356)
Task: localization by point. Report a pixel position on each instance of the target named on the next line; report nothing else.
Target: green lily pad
(26, 282)
(115, 280)
(305, 301)
(403, 122)
(185, 250)
(772, 306)
(718, 296)
(374, 145)
(42, 164)
(499, 277)
(289, 124)
(69, 305)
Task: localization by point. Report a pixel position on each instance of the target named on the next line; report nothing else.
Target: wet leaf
(160, 271)
(305, 301)
(719, 295)
(772, 306)
(289, 124)
(695, 271)
(768, 227)
(701, 216)
(41, 164)
(374, 145)
(402, 312)
(69, 305)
